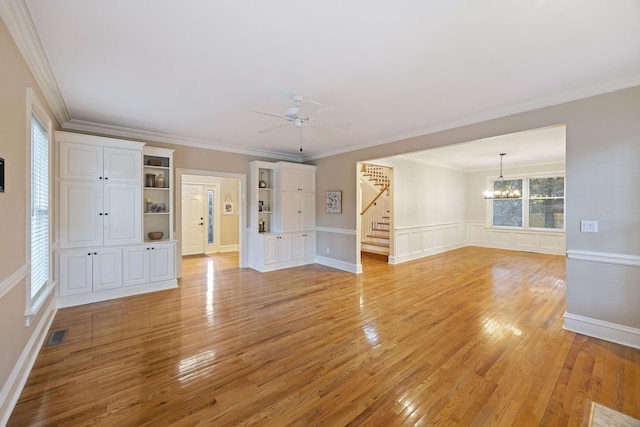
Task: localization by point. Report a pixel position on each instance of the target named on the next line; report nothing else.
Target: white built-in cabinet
(282, 214)
(148, 263)
(89, 270)
(101, 220)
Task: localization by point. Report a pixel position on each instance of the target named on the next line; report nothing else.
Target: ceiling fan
(300, 115)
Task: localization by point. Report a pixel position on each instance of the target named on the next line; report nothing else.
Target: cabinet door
(81, 161)
(107, 269)
(307, 211)
(76, 275)
(136, 265)
(81, 214)
(122, 214)
(310, 245)
(270, 249)
(122, 165)
(285, 250)
(289, 211)
(162, 260)
(299, 243)
(289, 180)
(307, 181)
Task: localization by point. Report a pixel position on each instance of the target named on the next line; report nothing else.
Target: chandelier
(500, 188)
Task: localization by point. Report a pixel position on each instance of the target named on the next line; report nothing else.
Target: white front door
(193, 224)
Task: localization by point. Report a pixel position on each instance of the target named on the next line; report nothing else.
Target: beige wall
(15, 78)
(603, 177)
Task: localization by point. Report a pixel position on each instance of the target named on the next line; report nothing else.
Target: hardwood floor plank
(469, 337)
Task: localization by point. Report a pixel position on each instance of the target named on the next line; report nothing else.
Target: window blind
(39, 206)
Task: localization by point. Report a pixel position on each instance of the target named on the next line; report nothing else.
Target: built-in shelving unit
(263, 200)
(158, 184)
(282, 215)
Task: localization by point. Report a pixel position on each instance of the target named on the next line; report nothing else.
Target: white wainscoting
(420, 241)
(545, 242)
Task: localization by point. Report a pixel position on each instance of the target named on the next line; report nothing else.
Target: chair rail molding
(604, 257)
(7, 284)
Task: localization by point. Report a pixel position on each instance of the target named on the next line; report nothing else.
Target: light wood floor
(470, 337)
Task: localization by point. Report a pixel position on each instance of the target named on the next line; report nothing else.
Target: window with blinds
(39, 207)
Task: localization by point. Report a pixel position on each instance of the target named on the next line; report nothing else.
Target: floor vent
(57, 337)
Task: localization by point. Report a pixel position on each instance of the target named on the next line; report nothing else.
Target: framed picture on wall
(228, 208)
(334, 202)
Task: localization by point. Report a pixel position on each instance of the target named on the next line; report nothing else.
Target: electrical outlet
(327, 251)
(589, 226)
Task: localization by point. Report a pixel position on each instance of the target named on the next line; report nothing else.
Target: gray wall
(603, 177)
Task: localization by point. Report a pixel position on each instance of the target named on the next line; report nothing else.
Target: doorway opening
(211, 213)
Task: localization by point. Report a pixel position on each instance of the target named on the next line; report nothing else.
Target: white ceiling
(534, 147)
(188, 71)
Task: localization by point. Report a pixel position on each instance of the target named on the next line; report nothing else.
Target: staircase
(376, 214)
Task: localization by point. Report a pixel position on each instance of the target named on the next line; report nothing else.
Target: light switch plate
(589, 226)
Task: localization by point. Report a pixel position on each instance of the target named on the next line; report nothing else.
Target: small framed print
(228, 208)
(158, 207)
(334, 202)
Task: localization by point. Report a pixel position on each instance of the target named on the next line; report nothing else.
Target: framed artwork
(334, 202)
(228, 208)
(157, 207)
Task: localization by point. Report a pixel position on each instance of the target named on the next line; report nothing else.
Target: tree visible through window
(540, 206)
(546, 202)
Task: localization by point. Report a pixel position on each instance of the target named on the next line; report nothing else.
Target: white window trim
(525, 195)
(36, 108)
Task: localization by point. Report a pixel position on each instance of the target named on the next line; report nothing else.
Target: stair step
(378, 244)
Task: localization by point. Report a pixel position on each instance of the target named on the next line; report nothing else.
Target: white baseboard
(126, 291)
(340, 265)
(12, 388)
(601, 329)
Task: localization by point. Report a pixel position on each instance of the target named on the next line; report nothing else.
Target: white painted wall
(426, 194)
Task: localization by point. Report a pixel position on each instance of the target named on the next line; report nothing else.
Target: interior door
(193, 224)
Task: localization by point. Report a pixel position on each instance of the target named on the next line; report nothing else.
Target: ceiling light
(500, 188)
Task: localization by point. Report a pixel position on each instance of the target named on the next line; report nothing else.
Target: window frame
(525, 197)
(35, 108)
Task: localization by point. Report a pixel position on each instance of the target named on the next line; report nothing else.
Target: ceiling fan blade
(334, 123)
(280, 116)
(308, 108)
(274, 127)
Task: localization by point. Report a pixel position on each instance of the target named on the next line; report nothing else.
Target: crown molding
(146, 136)
(16, 17)
(600, 87)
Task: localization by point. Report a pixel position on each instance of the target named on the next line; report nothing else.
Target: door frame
(242, 227)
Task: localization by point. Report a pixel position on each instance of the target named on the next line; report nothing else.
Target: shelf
(156, 213)
(265, 212)
(157, 188)
(156, 167)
